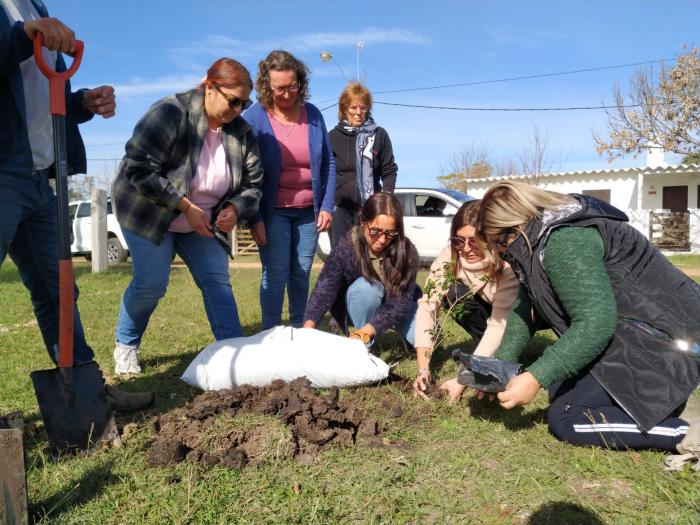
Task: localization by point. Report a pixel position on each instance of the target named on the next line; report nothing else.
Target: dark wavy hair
(399, 255)
(279, 60)
(468, 215)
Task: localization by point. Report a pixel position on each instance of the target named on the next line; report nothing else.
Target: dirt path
(690, 271)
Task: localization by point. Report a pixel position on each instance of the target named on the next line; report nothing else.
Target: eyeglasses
(233, 101)
(279, 91)
(504, 239)
(361, 108)
(459, 242)
(376, 233)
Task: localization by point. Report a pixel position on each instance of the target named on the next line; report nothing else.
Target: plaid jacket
(161, 159)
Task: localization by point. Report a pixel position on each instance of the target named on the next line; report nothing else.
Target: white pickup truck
(81, 233)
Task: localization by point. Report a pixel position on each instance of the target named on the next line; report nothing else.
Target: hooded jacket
(658, 309)
(347, 191)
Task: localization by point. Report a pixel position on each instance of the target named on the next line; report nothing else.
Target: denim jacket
(15, 151)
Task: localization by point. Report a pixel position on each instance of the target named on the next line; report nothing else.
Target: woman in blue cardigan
(298, 184)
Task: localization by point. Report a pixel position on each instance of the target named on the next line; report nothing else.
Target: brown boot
(123, 401)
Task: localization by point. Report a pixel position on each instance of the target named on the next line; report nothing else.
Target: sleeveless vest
(658, 310)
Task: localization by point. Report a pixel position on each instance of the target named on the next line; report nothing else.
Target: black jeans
(582, 413)
(477, 310)
(343, 221)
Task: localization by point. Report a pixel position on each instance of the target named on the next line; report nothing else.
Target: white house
(661, 200)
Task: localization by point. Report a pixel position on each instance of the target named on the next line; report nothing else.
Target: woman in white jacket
(483, 286)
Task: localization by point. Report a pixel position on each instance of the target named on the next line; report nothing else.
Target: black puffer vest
(658, 310)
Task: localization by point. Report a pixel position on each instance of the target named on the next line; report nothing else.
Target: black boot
(122, 401)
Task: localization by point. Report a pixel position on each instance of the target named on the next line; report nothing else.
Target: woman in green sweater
(628, 321)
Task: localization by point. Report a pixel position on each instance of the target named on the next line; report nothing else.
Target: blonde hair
(353, 91)
(511, 205)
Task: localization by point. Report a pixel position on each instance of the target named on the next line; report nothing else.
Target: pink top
(294, 188)
(212, 182)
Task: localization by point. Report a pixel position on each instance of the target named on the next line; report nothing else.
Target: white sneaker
(126, 360)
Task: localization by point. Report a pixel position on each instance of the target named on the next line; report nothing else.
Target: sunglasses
(459, 242)
(504, 239)
(234, 102)
(376, 233)
(279, 91)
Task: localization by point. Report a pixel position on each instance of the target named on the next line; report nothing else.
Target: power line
(524, 77)
(511, 79)
(458, 108)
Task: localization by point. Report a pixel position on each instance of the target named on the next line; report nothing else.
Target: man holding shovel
(28, 229)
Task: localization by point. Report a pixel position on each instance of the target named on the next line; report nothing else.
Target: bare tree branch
(665, 114)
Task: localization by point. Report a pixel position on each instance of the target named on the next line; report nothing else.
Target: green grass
(685, 261)
(469, 463)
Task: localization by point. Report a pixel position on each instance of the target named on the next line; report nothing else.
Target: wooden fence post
(13, 477)
(234, 241)
(98, 214)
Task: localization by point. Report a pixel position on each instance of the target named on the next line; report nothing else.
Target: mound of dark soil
(253, 424)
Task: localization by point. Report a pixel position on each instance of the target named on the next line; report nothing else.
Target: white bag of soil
(285, 353)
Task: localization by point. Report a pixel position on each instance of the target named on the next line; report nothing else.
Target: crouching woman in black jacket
(622, 370)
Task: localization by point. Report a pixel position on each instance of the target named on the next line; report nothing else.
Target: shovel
(72, 399)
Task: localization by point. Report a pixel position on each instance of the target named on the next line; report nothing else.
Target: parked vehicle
(81, 233)
(427, 216)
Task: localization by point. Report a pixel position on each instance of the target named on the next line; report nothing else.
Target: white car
(427, 217)
(81, 233)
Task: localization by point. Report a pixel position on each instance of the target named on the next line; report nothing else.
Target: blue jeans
(29, 233)
(363, 298)
(286, 262)
(208, 264)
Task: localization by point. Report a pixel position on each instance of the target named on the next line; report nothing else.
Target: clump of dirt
(251, 425)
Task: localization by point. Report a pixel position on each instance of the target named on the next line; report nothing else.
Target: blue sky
(154, 48)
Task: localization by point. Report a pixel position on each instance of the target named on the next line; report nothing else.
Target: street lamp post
(326, 56)
(360, 47)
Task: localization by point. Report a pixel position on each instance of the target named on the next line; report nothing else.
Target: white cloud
(139, 87)
(220, 45)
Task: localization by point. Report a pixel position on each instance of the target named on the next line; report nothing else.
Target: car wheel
(115, 251)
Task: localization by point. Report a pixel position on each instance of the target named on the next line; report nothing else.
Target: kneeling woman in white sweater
(481, 282)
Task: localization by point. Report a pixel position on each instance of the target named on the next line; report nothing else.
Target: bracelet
(423, 370)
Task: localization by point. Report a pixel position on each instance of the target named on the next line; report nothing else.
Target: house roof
(644, 170)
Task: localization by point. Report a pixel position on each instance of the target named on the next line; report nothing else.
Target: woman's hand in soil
(420, 385)
(453, 389)
(521, 390)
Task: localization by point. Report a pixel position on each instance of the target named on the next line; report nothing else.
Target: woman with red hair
(191, 172)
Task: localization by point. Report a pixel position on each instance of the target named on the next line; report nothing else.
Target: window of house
(601, 195)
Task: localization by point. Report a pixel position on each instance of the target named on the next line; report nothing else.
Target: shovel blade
(74, 408)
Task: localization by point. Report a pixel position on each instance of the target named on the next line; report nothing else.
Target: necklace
(283, 120)
(288, 132)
